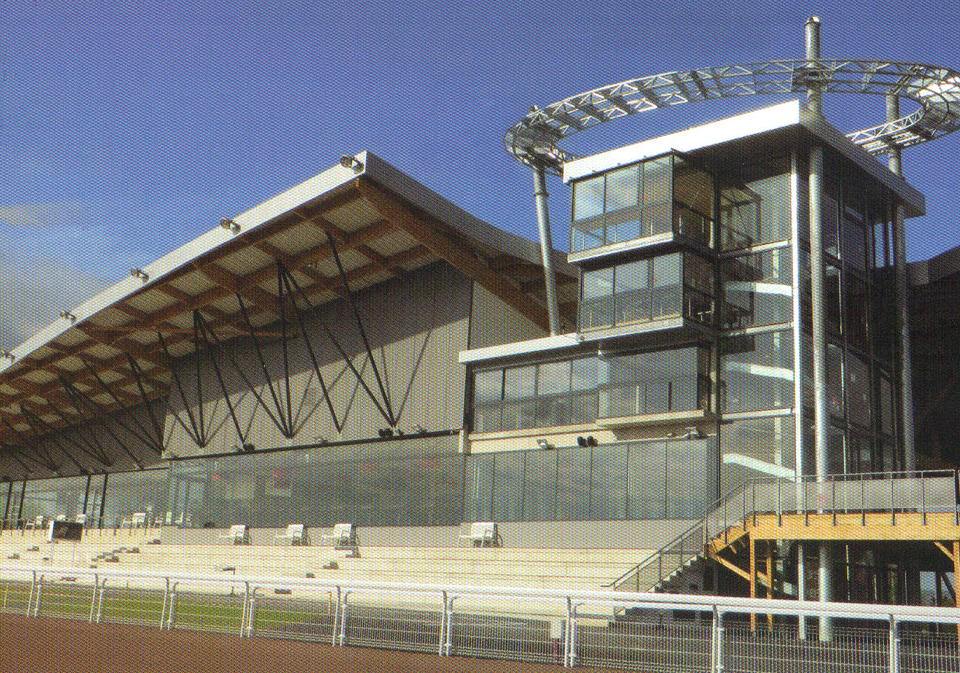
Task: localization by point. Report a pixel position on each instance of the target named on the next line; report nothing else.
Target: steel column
(903, 306)
(819, 338)
(546, 248)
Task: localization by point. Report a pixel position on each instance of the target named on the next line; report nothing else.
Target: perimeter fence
(668, 633)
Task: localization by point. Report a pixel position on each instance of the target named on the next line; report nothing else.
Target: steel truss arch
(935, 89)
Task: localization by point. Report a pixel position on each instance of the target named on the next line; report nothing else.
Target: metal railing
(666, 632)
(890, 493)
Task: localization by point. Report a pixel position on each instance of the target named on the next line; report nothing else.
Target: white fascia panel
(542, 345)
(732, 128)
(186, 254)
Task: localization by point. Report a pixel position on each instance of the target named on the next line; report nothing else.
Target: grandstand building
(358, 350)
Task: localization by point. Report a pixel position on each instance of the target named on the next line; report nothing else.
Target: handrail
(719, 506)
(948, 615)
(662, 551)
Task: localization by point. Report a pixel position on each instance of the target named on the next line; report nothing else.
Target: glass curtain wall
(577, 392)
(757, 355)
(860, 315)
(629, 481)
(646, 290)
(411, 482)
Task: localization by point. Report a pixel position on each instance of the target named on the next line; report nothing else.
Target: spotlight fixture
(385, 432)
(694, 433)
(419, 429)
(140, 274)
(544, 444)
(230, 225)
(66, 315)
(591, 440)
(352, 163)
(9, 356)
(582, 441)
(249, 448)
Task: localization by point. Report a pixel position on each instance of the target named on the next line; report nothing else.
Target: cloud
(58, 215)
(33, 291)
(39, 275)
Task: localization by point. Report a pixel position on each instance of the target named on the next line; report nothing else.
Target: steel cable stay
(155, 443)
(47, 464)
(36, 423)
(16, 453)
(279, 419)
(289, 283)
(346, 358)
(194, 431)
(83, 444)
(77, 399)
(363, 334)
(139, 375)
(203, 329)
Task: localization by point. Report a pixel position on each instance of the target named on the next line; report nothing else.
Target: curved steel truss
(534, 139)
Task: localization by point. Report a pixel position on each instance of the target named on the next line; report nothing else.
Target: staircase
(864, 505)
(724, 527)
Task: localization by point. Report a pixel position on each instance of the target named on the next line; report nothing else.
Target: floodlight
(230, 225)
(352, 163)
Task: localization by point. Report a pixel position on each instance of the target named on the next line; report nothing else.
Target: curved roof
(380, 222)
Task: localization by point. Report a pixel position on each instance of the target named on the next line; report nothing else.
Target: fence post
(893, 511)
(448, 644)
(863, 503)
(894, 646)
(172, 610)
(779, 504)
(243, 611)
(33, 585)
(571, 658)
(166, 598)
(336, 619)
(36, 607)
(716, 666)
(103, 589)
(343, 618)
(93, 601)
(833, 496)
(443, 624)
(251, 612)
(923, 497)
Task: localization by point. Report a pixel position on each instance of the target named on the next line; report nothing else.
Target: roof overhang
(786, 122)
(380, 222)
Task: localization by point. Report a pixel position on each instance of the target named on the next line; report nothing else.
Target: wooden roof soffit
(427, 230)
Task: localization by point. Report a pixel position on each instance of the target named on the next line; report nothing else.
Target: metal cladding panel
(495, 323)
(416, 326)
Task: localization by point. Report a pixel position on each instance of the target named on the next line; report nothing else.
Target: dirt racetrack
(48, 645)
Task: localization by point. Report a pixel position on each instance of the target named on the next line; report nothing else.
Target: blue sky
(129, 128)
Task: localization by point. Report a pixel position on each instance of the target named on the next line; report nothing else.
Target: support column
(905, 367)
(818, 321)
(546, 248)
(770, 545)
(956, 578)
(753, 578)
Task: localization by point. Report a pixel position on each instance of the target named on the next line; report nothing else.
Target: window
(645, 199)
(654, 382)
(648, 289)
